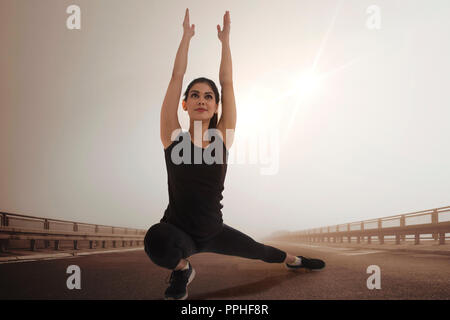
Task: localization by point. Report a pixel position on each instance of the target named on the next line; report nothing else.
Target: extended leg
(235, 243)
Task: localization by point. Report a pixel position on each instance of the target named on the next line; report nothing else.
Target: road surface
(131, 275)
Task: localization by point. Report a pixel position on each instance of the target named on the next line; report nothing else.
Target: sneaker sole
(191, 277)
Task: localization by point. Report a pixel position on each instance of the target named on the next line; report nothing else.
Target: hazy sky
(357, 104)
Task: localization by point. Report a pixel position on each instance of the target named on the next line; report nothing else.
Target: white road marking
(40, 257)
(360, 252)
(336, 250)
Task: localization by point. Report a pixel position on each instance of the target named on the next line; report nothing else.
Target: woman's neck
(197, 131)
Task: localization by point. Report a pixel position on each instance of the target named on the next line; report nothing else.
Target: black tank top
(195, 187)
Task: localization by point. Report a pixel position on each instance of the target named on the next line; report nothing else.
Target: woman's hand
(224, 34)
(189, 30)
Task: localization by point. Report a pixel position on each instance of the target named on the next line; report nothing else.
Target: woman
(192, 222)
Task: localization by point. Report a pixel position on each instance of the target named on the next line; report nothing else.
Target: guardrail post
(33, 245)
(362, 231)
(397, 239)
(5, 221)
(369, 239)
(46, 227)
(402, 225)
(3, 245)
(349, 238)
(96, 231)
(380, 235)
(75, 242)
(328, 234)
(434, 220)
(441, 238)
(417, 238)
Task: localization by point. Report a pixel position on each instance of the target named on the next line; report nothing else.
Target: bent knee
(157, 238)
(162, 245)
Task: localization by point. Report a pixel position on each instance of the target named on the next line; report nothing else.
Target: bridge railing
(432, 224)
(17, 229)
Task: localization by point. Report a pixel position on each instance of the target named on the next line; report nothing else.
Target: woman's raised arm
(227, 122)
(169, 117)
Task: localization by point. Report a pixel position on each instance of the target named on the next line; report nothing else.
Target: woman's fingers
(226, 18)
(226, 22)
(189, 29)
(224, 32)
(186, 17)
(186, 22)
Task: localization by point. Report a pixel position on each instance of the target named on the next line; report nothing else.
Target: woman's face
(200, 102)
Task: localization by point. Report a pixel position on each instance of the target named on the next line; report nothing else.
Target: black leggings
(167, 244)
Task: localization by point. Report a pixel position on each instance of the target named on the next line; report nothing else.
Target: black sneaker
(307, 263)
(179, 280)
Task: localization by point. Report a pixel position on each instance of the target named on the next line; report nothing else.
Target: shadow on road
(249, 288)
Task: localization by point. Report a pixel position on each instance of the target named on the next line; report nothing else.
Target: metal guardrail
(399, 228)
(22, 227)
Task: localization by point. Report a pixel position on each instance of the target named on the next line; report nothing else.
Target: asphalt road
(131, 275)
